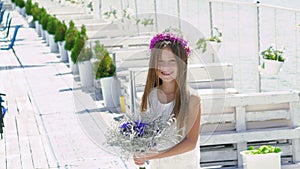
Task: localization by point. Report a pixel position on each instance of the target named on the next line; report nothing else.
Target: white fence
(247, 27)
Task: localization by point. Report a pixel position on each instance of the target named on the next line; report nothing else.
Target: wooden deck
(42, 125)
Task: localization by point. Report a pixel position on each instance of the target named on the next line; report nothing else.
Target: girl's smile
(167, 65)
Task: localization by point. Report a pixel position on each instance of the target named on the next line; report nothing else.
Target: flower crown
(172, 38)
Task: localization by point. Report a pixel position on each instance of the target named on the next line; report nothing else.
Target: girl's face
(167, 65)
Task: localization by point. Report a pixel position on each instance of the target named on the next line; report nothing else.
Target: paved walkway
(51, 121)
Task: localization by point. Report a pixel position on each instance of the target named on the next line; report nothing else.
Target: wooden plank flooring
(42, 130)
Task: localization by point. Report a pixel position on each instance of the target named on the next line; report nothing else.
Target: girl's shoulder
(194, 103)
(195, 99)
(194, 96)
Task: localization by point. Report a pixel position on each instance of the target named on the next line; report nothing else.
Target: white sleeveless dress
(188, 160)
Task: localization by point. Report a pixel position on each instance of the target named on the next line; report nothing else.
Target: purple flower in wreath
(172, 38)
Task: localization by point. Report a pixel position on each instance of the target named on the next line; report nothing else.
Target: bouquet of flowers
(143, 133)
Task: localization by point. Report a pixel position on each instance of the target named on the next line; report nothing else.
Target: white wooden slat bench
(119, 40)
(67, 17)
(130, 58)
(209, 79)
(230, 124)
(126, 59)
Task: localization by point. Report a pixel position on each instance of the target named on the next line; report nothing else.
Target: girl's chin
(166, 78)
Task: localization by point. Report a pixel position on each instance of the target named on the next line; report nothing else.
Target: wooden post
(240, 125)
(96, 9)
(295, 117)
(132, 90)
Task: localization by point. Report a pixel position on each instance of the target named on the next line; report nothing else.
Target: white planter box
(62, 51)
(73, 67)
(261, 161)
(29, 19)
(272, 67)
(52, 44)
(22, 11)
(44, 34)
(38, 28)
(111, 91)
(86, 73)
(216, 46)
(46, 37)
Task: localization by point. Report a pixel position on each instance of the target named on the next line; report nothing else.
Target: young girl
(167, 92)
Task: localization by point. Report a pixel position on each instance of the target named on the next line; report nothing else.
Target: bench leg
(296, 150)
(241, 147)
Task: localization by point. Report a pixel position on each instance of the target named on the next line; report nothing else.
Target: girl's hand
(139, 159)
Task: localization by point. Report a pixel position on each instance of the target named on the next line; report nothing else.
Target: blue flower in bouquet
(138, 128)
(126, 128)
(142, 132)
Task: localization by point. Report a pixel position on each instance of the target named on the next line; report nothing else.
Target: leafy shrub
(85, 54)
(44, 20)
(28, 7)
(264, 149)
(70, 37)
(216, 37)
(104, 66)
(60, 32)
(78, 44)
(273, 54)
(51, 25)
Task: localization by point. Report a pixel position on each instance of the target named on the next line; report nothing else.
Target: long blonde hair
(181, 91)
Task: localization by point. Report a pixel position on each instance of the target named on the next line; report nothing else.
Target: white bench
(231, 124)
(209, 79)
(130, 58)
(119, 40)
(67, 17)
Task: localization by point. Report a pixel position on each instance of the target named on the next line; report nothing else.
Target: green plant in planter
(264, 149)
(104, 66)
(273, 54)
(90, 6)
(145, 21)
(112, 13)
(41, 14)
(44, 20)
(60, 31)
(28, 7)
(127, 13)
(70, 36)
(51, 25)
(99, 50)
(20, 3)
(202, 42)
(80, 40)
(85, 55)
(37, 12)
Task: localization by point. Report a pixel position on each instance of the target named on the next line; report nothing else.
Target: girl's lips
(166, 73)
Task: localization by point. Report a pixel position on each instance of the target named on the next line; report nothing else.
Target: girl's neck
(167, 92)
(168, 87)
